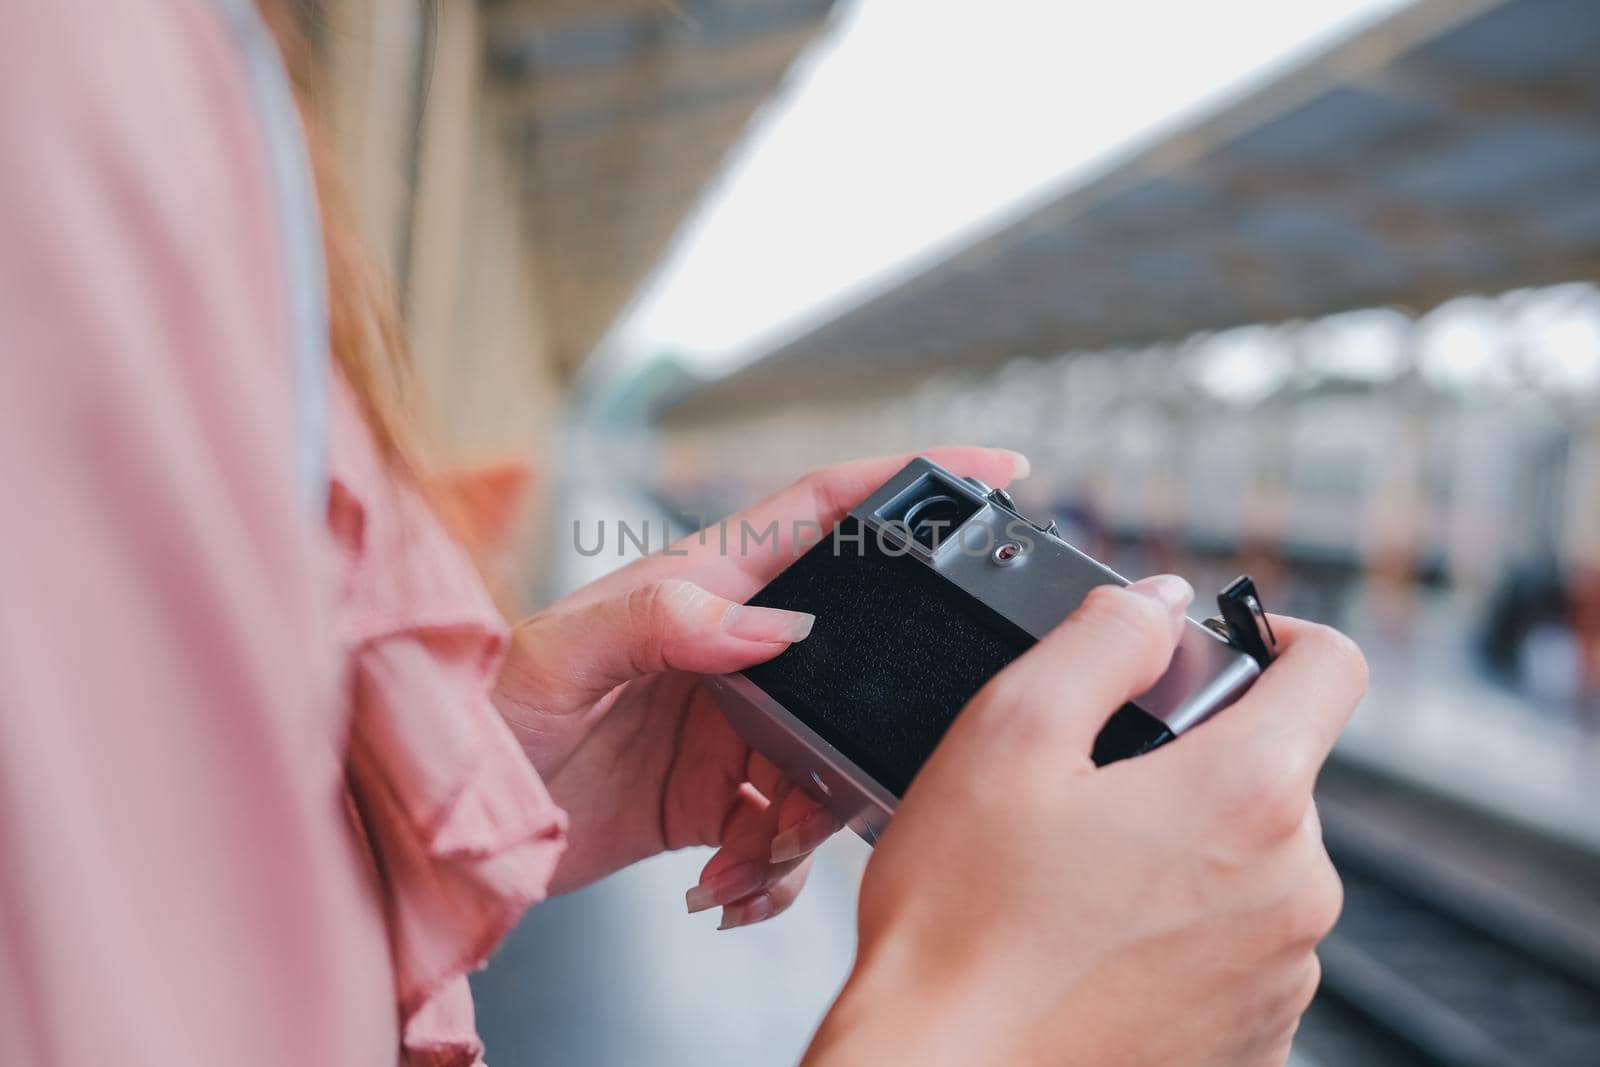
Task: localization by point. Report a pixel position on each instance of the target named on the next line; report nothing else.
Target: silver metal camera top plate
(1046, 583)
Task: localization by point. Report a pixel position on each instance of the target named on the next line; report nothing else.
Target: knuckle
(1306, 917)
(1307, 980)
(1273, 795)
(1259, 802)
(1285, 998)
(1284, 775)
(1277, 819)
(1310, 982)
(675, 592)
(1268, 825)
(669, 601)
(641, 608)
(1341, 652)
(1289, 1001)
(1327, 902)
(817, 487)
(652, 612)
(808, 484)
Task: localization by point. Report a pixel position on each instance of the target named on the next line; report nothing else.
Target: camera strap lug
(1244, 621)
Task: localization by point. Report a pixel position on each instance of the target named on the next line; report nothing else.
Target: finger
(770, 902)
(748, 826)
(803, 825)
(1282, 864)
(742, 866)
(797, 822)
(1280, 732)
(572, 656)
(1112, 648)
(737, 879)
(740, 555)
(762, 773)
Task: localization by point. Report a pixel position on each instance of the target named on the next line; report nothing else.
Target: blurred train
(1363, 465)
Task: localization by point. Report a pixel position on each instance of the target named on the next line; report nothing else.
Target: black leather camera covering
(895, 653)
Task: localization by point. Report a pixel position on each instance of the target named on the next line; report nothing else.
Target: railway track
(1464, 942)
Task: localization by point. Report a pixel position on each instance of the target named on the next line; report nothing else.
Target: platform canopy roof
(621, 112)
(1453, 147)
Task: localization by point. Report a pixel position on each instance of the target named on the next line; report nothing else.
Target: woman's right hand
(1027, 907)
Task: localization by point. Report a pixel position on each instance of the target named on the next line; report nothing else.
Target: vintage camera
(922, 594)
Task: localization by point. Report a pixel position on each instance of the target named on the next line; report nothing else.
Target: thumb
(575, 655)
(1112, 648)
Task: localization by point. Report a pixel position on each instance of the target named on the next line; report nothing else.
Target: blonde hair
(366, 338)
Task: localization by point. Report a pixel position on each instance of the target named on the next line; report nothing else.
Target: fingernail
(746, 912)
(1168, 590)
(750, 623)
(727, 886)
(1019, 464)
(804, 836)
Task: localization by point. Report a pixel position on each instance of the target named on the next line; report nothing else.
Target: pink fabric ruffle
(463, 835)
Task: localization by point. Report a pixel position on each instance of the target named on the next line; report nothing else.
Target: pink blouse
(255, 807)
(463, 834)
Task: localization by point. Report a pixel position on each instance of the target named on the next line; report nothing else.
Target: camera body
(922, 593)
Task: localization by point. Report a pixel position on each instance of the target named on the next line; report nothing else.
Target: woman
(273, 775)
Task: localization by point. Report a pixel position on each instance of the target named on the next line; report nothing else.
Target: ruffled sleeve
(462, 833)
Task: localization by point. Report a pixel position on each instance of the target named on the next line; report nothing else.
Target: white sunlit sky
(913, 126)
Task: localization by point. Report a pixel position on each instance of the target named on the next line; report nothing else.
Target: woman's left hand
(603, 691)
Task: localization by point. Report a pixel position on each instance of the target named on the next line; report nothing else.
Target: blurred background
(1305, 290)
